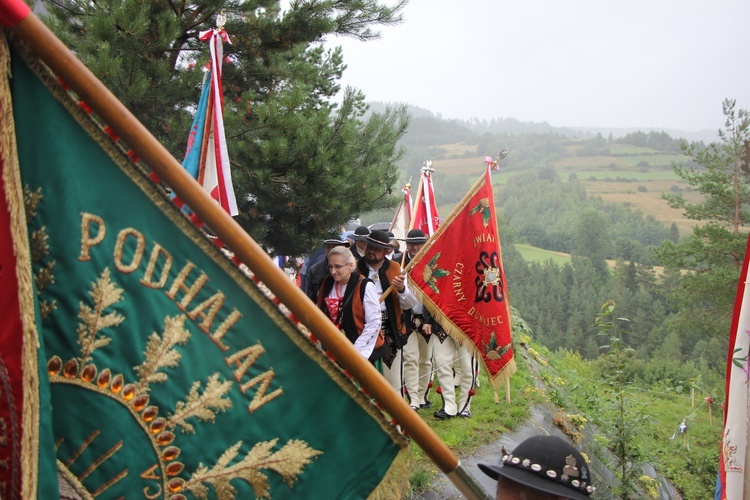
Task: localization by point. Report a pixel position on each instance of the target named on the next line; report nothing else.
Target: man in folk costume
(358, 243)
(417, 352)
(447, 354)
(385, 273)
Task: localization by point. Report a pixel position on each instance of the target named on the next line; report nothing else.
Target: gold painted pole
(67, 66)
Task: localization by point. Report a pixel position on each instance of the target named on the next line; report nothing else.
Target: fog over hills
(512, 126)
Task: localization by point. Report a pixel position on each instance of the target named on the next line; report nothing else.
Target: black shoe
(415, 408)
(465, 414)
(426, 405)
(441, 415)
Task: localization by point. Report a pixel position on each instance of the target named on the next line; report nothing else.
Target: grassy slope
(575, 386)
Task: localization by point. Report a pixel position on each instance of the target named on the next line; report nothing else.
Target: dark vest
(387, 271)
(353, 313)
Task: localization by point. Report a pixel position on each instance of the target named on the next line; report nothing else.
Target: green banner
(171, 374)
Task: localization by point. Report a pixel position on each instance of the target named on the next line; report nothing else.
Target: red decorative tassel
(472, 392)
(133, 156)
(63, 84)
(439, 390)
(111, 133)
(85, 107)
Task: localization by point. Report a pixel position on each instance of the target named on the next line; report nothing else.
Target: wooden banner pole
(68, 67)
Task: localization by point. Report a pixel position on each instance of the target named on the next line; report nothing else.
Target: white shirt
(407, 299)
(365, 343)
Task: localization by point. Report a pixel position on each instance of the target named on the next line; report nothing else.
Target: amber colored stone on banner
(150, 413)
(54, 365)
(89, 373)
(128, 392)
(140, 402)
(117, 383)
(174, 468)
(71, 369)
(175, 485)
(158, 425)
(170, 453)
(104, 378)
(165, 438)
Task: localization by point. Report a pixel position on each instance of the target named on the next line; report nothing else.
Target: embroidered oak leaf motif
(104, 294)
(288, 462)
(482, 207)
(39, 249)
(431, 272)
(160, 352)
(31, 200)
(38, 244)
(202, 406)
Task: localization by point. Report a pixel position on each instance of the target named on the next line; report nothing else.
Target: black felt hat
(360, 233)
(416, 236)
(379, 238)
(336, 242)
(548, 464)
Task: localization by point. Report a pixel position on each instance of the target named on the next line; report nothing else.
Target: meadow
(619, 177)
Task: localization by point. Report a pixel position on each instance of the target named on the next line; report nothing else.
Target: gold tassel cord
(14, 196)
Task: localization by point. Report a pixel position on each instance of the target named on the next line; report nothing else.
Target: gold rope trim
(30, 344)
(139, 175)
(395, 482)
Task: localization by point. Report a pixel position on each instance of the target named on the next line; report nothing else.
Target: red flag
(463, 285)
(732, 462)
(426, 214)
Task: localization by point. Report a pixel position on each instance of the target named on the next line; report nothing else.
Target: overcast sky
(585, 63)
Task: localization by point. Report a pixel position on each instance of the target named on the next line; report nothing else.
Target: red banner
(426, 214)
(459, 274)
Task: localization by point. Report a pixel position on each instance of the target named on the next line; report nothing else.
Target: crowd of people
(397, 334)
(359, 284)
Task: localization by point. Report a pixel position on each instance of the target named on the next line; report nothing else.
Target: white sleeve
(407, 299)
(365, 343)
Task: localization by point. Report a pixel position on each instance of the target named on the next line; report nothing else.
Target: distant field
(651, 175)
(609, 161)
(534, 254)
(460, 166)
(597, 173)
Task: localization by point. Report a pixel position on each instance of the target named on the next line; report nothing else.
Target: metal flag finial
(502, 154)
(221, 20)
(427, 166)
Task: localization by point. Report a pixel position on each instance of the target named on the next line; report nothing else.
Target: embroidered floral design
(493, 350)
(482, 207)
(728, 448)
(39, 247)
(431, 272)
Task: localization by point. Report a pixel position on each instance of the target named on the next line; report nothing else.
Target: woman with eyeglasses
(351, 303)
